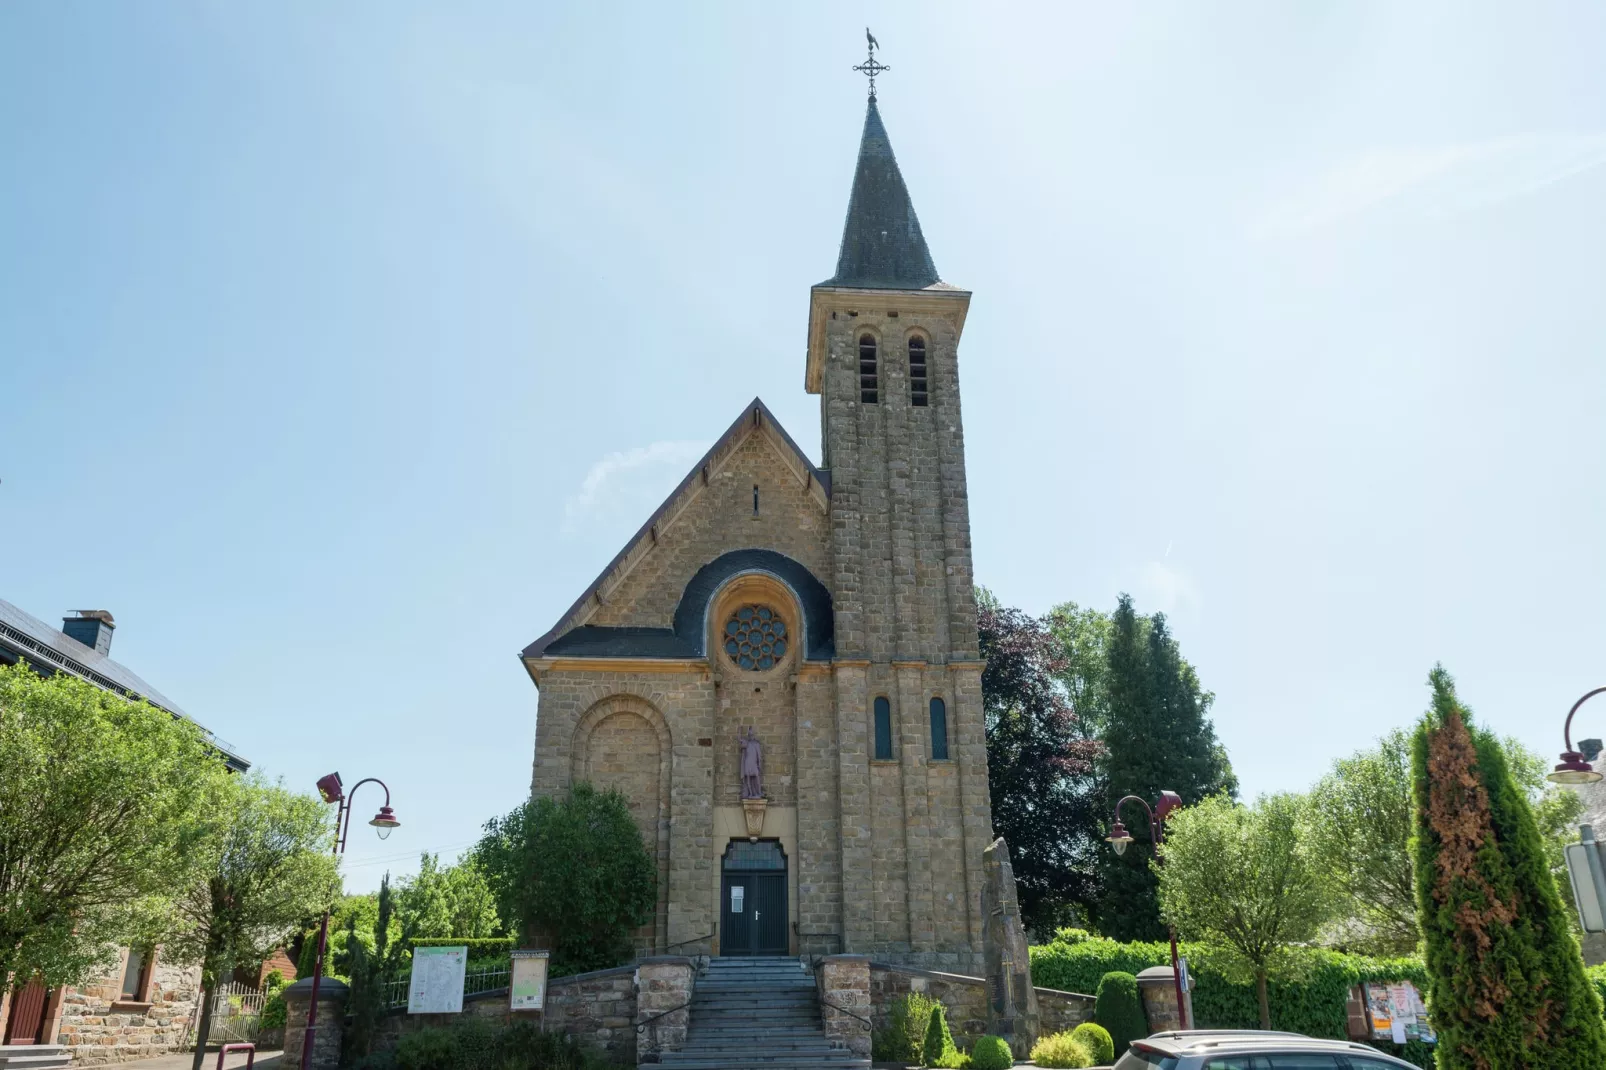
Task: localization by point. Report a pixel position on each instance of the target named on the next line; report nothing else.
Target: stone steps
(757, 1014)
(34, 1057)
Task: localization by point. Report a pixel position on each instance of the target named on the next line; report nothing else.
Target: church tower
(883, 354)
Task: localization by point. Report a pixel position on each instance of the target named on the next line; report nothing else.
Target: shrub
(904, 1039)
(1097, 1041)
(1119, 1009)
(476, 1045)
(1061, 1050)
(939, 1050)
(273, 1012)
(991, 1053)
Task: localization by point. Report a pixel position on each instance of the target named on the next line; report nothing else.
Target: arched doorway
(753, 907)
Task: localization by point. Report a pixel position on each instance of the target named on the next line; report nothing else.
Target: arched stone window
(939, 730)
(883, 730)
(868, 381)
(917, 371)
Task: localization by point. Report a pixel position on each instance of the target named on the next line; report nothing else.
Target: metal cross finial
(870, 68)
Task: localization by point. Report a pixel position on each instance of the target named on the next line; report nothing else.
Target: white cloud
(1166, 587)
(1438, 180)
(631, 480)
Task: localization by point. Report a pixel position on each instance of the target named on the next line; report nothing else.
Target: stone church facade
(828, 607)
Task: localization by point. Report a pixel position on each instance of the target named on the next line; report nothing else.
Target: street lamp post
(1119, 838)
(1574, 768)
(330, 788)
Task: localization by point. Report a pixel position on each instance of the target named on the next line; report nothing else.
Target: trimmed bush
(479, 947)
(1118, 1007)
(1061, 1050)
(904, 1039)
(939, 1050)
(477, 1045)
(1097, 1041)
(991, 1053)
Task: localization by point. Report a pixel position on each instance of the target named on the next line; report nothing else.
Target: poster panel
(437, 982)
(527, 983)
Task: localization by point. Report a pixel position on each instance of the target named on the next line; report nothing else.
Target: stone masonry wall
(843, 982)
(965, 999)
(98, 1027)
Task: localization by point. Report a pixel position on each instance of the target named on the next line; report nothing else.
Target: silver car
(1207, 1049)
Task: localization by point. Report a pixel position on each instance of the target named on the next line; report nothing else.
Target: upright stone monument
(1011, 999)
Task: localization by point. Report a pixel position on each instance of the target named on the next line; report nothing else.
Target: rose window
(755, 637)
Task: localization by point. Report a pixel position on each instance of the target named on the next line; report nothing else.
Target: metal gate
(753, 906)
(26, 1022)
(236, 1014)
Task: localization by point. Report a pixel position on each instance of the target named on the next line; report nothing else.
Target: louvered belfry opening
(868, 389)
(917, 371)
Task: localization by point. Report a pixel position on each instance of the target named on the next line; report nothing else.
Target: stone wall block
(845, 1002)
(664, 986)
(329, 1028)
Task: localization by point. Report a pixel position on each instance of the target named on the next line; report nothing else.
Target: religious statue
(752, 765)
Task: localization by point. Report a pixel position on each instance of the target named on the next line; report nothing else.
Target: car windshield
(1144, 1059)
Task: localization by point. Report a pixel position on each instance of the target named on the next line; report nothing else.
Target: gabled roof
(653, 642)
(54, 651)
(882, 247)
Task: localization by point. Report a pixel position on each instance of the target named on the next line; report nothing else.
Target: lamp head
(1169, 801)
(1574, 769)
(330, 788)
(384, 821)
(1119, 837)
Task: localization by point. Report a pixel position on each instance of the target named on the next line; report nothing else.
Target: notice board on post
(527, 981)
(437, 982)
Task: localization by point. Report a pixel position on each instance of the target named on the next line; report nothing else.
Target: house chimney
(91, 627)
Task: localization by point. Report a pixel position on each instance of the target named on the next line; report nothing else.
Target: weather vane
(870, 68)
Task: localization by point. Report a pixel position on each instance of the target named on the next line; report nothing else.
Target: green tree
(368, 972)
(268, 866)
(1039, 765)
(447, 901)
(1361, 815)
(1506, 980)
(1083, 636)
(101, 805)
(1240, 879)
(1158, 737)
(573, 871)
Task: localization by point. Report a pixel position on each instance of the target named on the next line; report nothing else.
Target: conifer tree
(1506, 980)
(1158, 738)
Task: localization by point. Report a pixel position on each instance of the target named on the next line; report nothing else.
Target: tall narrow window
(883, 730)
(917, 371)
(867, 373)
(136, 975)
(939, 730)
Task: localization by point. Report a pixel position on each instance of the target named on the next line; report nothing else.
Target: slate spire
(882, 247)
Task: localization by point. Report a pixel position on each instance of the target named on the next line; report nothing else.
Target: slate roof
(882, 247)
(596, 641)
(25, 635)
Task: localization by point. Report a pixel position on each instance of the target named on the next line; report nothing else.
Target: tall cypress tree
(1506, 980)
(1158, 738)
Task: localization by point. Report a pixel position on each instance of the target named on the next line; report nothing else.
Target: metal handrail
(693, 940)
(847, 1012)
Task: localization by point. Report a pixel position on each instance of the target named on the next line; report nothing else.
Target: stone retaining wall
(97, 1026)
(965, 999)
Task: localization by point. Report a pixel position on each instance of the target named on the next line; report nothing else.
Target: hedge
(482, 947)
(1313, 1004)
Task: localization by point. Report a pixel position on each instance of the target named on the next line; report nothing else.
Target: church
(780, 669)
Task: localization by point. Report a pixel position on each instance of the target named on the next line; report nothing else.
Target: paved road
(265, 1060)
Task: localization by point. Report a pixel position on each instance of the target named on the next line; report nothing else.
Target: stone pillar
(1160, 999)
(844, 985)
(1011, 999)
(664, 986)
(329, 1027)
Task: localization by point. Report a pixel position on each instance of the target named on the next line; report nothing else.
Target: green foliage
(102, 819)
(474, 1044)
(1158, 738)
(447, 901)
(1118, 1007)
(1240, 879)
(1039, 765)
(1308, 989)
(1360, 832)
(1507, 981)
(904, 1038)
(1061, 1050)
(576, 871)
(273, 1011)
(1098, 1042)
(991, 1053)
(938, 1049)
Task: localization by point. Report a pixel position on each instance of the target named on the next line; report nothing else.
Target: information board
(527, 984)
(437, 983)
(1398, 1013)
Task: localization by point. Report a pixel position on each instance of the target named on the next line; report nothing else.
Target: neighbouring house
(144, 1007)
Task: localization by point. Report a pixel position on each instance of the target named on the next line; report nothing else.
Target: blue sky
(341, 346)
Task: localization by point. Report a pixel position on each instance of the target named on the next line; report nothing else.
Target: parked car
(1244, 1049)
